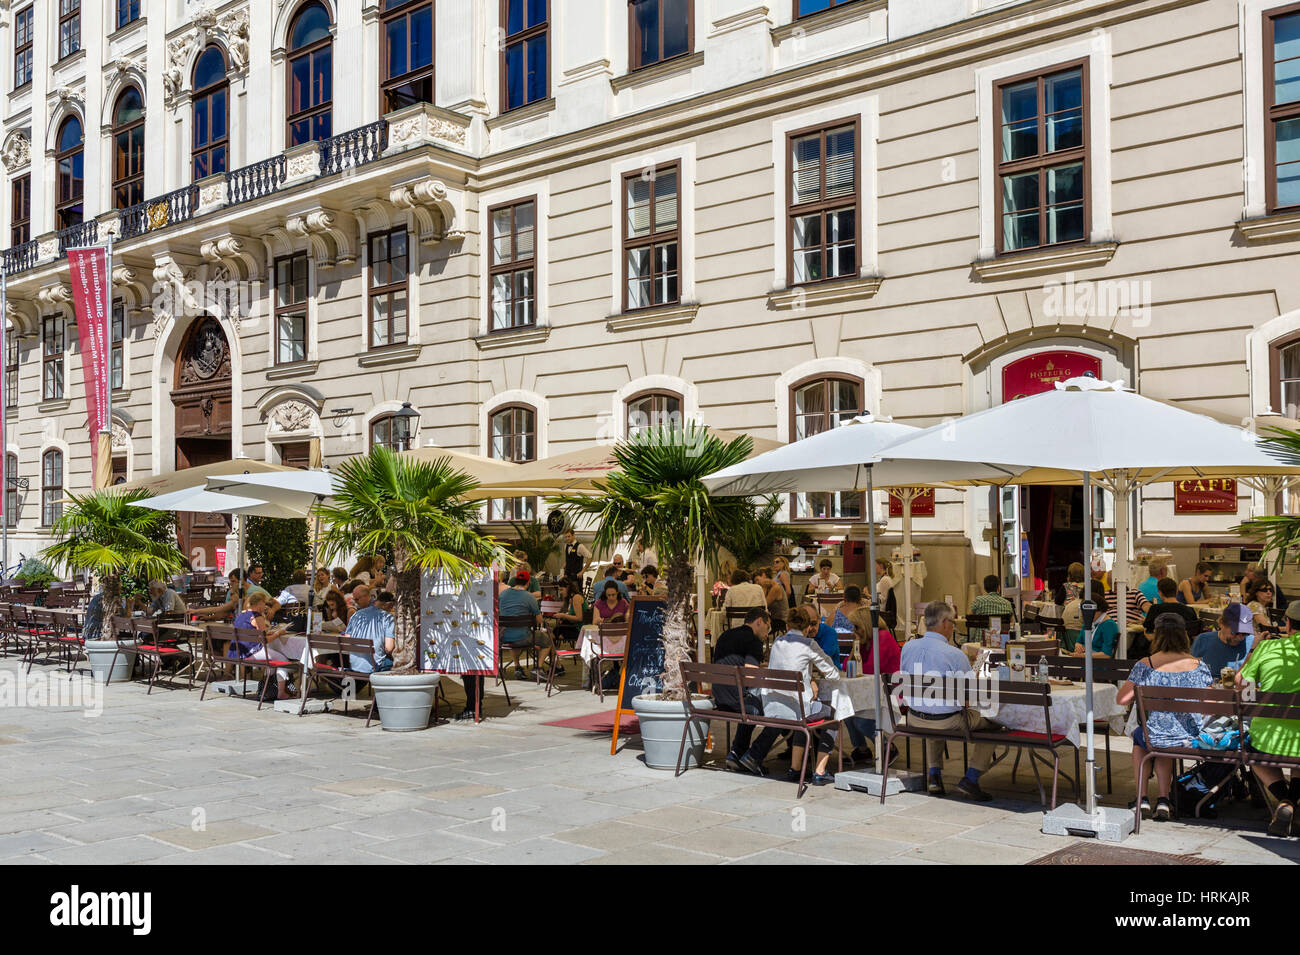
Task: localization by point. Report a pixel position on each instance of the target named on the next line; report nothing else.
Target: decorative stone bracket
(24, 316)
(433, 208)
(57, 296)
(135, 293)
(329, 234)
(235, 253)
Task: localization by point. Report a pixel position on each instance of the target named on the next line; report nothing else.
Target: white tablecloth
(589, 641)
(1067, 711)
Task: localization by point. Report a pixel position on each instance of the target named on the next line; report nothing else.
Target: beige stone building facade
(543, 223)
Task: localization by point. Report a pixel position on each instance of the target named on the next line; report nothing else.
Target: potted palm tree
(656, 497)
(418, 512)
(104, 534)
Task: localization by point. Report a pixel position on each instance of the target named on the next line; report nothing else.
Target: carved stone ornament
(207, 356)
(121, 439)
(290, 417)
(17, 153)
(230, 30)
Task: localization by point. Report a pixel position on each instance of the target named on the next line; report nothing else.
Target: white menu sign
(458, 625)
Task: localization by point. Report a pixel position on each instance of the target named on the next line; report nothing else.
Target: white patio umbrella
(834, 460)
(844, 459)
(1089, 428)
(205, 501)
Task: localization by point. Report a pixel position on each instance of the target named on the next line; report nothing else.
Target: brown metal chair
(157, 645)
(1208, 702)
(611, 644)
(219, 634)
(320, 644)
(1103, 671)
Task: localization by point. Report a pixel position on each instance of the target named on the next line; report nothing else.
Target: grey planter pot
(100, 654)
(662, 722)
(404, 700)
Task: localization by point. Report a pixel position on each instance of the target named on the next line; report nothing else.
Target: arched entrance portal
(203, 401)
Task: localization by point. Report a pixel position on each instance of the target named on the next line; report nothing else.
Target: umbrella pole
(1121, 491)
(907, 562)
(875, 625)
(1087, 646)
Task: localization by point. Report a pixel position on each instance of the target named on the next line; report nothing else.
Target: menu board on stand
(459, 629)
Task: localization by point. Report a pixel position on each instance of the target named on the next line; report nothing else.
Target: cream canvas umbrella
(171, 481)
(575, 471)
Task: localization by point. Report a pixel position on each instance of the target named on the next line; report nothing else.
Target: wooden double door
(204, 405)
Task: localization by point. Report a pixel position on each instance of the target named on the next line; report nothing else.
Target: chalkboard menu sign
(643, 655)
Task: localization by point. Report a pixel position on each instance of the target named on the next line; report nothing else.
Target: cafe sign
(922, 504)
(1206, 496)
(1035, 374)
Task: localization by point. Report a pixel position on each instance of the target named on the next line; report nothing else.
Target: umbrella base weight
(1107, 824)
(869, 782)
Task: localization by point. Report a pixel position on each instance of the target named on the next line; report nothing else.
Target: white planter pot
(404, 700)
(662, 723)
(100, 654)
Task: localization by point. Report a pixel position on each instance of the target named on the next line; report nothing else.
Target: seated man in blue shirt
(516, 601)
(1229, 645)
(371, 623)
(933, 656)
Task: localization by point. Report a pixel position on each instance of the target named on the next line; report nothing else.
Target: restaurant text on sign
(1206, 496)
(1035, 374)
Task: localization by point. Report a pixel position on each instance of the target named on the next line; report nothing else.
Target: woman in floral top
(1169, 664)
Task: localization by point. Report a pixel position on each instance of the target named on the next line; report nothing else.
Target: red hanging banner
(90, 300)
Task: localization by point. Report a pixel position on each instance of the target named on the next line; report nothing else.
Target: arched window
(11, 490)
(406, 76)
(390, 431)
(512, 436)
(51, 487)
(128, 149)
(70, 174)
(311, 76)
(210, 149)
(817, 405)
(653, 409)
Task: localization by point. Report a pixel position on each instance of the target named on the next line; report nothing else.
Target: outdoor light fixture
(405, 425)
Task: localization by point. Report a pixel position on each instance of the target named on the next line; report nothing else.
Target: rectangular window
(23, 20)
(407, 51)
(1282, 99)
(389, 301)
(69, 27)
(803, 8)
(512, 265)
(823, 211)
(525, 52)
(1040, 149)
(651, 237)
(118, 364)
(20, 210)
(52, 335)
(12, 501)
(51, 487)
(128, 11)
(291, 309)
(659, 30)
(11, 370)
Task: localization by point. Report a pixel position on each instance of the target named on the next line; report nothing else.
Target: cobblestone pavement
(165, 778)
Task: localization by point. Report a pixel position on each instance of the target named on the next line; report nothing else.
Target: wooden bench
(321, 644)
(218, 633)
(752, 679)
(1207, 702)
(974, 692)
